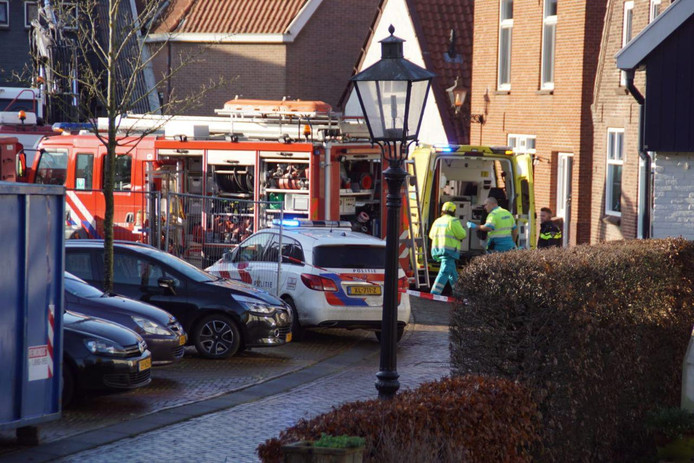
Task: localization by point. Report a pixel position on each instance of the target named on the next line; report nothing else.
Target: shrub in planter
(673, 432)
(464, 419)
(333, 449)
(598, 333)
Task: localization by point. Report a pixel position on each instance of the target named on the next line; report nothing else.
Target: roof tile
(232, 16)
(433, 21)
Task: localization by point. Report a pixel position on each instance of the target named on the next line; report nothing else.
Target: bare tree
(92, 58)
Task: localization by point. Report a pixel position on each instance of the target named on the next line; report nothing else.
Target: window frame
(73, 9)
(116, 187)
(627, 33)
(504, 24)
(611, 162)
(520, 144)
(27, 20)
(77, 166)
(654, 10)
(6, 5)
(551, 22)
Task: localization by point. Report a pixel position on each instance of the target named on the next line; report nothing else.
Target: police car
(330, 275)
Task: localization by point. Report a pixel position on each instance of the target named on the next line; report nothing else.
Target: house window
(549, 30)
(522, 144)
(31, 12)
(68, 13)
(615, 164)
(626, 33)
(505, 30)
(655, 9)
(4, 13)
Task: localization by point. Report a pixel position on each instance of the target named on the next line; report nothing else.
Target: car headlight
(255, 306)
(102, 346)
(150, 327)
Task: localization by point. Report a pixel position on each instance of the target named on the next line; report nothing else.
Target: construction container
(31, 287)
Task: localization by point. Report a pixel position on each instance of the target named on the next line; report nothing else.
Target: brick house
(534, 67)
(438, 37)
(296, 48)
(15, 26)
(619, 195)
(664, 49)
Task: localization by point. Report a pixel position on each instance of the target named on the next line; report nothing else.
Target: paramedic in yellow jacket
(445, 235)
(500, 227)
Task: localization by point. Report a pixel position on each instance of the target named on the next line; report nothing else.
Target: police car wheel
(298, 331)
(401, 332)
(216, 337)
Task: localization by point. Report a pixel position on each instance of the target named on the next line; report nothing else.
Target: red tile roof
(231, 16)
(433, 21)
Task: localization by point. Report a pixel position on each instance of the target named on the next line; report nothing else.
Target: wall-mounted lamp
(457, 93)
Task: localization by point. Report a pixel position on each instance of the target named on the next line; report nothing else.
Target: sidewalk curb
(361, 351)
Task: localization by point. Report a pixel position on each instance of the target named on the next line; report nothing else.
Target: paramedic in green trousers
(445, 235)
(500, 227)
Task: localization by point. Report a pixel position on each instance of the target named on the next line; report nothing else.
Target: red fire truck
(20, 130)
(200, 179)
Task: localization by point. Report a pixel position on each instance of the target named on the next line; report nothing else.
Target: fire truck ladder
(418, 236)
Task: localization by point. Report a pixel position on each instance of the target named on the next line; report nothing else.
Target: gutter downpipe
(646, 222)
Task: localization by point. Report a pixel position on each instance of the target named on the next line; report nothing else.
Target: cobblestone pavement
(192, 380)
(232, 433)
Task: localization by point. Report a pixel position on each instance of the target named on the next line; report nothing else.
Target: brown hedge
(598, 333)
(462, 419)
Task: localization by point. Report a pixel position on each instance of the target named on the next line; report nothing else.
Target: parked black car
(99, 354)
(164, 335)
(221, 317)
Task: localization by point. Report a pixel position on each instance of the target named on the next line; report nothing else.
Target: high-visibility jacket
(550, 235)
(501, 223)
(445, 235)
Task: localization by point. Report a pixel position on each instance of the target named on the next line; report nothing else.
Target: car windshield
(350, 256)
(79, 288)
(181, 266)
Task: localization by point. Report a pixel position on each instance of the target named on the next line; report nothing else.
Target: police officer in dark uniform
(550, 233)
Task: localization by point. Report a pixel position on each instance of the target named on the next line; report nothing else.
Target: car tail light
(318, 283)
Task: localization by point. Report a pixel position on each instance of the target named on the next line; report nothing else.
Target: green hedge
(463, 419)
(598, 333)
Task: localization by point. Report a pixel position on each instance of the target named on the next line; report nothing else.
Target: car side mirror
(21, 166)
(167, 283)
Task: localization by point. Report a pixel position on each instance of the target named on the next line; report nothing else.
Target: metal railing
(135, 215)
(199, 229)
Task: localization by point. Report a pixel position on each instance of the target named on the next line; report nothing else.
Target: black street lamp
(392, 94)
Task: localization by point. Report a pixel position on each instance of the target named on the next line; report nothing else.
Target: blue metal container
(32, 220)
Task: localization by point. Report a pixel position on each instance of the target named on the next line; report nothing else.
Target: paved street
(229, 428)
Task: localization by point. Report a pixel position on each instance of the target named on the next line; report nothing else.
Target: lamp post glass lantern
(392, 94)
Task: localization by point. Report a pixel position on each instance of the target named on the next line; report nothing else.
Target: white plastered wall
(396, 13)
(673, 195)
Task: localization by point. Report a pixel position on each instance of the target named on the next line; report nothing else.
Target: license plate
(145, 364)
(372, 290)
(182, 340)
(289, 337)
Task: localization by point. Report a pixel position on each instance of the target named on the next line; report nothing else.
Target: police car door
(286, 265)
(247, 261)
